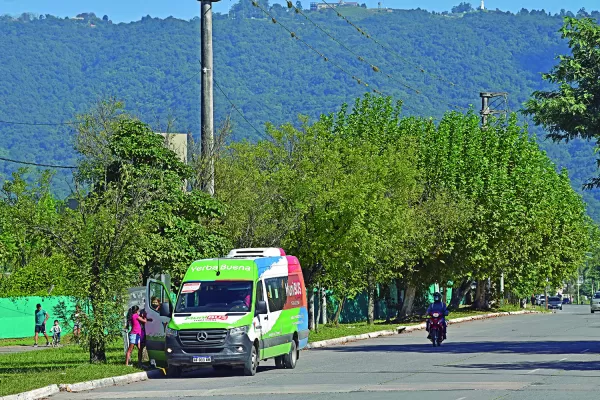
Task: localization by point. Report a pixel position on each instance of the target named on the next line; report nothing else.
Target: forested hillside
(53, 68)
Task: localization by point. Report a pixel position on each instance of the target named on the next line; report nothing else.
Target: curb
(35, 394)
(114, 381)
(406, 329)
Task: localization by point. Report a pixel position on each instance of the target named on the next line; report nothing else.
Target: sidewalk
(21, 349)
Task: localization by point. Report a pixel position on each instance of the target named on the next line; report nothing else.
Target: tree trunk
(399, 300)
(323, 306)
(480, 302)
(311, 309)
(338, 312)
(96, 329)
(97, 349)
(458, 292)
(409, 299)
(371, 302)
(319, 308)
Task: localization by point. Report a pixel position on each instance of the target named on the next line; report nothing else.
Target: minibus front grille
(202, 338)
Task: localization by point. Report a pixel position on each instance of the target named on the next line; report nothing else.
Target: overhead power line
(387, 48)
(363, 59)
(36, 164)
(237, 109)
(37, 123)
(358, 56)
(294, 35)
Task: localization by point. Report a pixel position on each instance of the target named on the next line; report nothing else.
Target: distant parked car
(554, 303)
(595, 302)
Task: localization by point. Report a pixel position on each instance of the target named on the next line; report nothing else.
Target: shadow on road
(557, 365)
(532, 347)
(211, 373)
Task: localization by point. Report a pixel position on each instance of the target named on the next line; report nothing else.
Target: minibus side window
(276, 293)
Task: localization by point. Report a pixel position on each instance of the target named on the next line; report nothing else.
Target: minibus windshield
(215, 296)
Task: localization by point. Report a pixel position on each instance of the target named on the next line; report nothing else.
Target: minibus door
(158, 311)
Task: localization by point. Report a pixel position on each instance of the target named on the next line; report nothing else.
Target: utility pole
(486, 111)
(206, 97)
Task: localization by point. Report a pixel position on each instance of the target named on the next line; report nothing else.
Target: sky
(134, 10)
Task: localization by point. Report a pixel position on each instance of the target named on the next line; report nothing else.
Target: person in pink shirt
(135, 334)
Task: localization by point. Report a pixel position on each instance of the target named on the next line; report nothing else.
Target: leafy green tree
(570, 110)
(186, 223)
(462, 8)
(31, 261)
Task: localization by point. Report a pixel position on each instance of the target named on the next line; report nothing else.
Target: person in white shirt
(55, 330)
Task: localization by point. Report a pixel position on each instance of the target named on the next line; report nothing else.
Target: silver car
(595, 302)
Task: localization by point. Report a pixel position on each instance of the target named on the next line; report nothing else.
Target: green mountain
(272, 68)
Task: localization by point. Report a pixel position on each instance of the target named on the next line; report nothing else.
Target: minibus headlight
(240, 330)
(171, 332)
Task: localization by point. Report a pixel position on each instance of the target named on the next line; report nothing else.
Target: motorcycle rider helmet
(437, 297)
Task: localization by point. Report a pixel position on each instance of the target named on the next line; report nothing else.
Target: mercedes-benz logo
(202, 336)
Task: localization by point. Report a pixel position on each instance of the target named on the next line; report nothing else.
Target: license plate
(199, 359)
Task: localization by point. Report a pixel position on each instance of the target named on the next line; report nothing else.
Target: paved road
(550, 356)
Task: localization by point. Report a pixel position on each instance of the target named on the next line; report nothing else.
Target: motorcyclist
(439, 307)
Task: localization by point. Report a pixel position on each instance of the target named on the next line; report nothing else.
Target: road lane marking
(562, 359)
(461, 398)
(585, 350)
(532, 371)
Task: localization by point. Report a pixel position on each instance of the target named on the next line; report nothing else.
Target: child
(55, 330)
(135, 334)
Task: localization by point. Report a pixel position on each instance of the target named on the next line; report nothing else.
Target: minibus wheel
(279, 362)
(251, 363)
(291, 358)
(173, 371)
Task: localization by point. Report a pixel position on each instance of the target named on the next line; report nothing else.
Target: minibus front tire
(251, 363)
(174, 371)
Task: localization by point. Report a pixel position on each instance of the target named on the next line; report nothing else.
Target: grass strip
(20, 372)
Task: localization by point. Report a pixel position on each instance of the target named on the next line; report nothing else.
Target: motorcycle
(436, 329)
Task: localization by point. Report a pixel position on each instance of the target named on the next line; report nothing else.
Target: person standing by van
(41, 317)
(135, 334)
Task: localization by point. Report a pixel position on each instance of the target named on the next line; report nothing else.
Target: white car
(595, 302)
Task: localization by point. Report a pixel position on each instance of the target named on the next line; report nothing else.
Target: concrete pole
(206, 100)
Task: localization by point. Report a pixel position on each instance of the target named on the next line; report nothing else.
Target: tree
(572, 109)
(34, 264)
(105, 18)
(462, 8)
(186, 223)
(133, 218)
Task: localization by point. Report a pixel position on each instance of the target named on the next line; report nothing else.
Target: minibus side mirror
(165, 309)
(261, 307)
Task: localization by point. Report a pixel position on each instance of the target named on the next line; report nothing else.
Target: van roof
(256, 252)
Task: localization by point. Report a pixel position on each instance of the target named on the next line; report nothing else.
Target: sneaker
(47, 344)
(35, 345)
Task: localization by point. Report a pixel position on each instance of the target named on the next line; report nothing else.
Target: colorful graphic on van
(285, 296)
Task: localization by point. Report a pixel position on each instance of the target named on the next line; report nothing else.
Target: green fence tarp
(17, 314)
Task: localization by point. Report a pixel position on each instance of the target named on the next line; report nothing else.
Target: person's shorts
(134, 338)
(40, 328)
